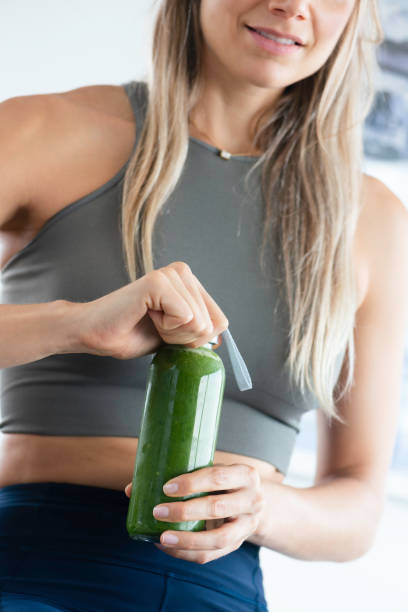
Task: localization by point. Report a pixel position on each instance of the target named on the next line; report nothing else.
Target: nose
(289, 8)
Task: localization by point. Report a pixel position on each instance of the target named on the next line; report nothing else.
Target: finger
(242, 501)
(224, 537)
(196, 557)
(214, 328)
(167, 324)
(217, 316)
(194, 287)
(170, 284)
(163, 301)
(217, 477)
(210, 317)
(213, 523)
(184, 283)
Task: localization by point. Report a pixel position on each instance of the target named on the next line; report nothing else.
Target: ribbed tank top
(214, 224)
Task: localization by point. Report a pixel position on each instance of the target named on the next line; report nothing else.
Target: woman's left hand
(241, 504)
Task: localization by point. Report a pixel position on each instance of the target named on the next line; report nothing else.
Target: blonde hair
(311, 180)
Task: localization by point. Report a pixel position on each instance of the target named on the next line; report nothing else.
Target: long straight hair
(311, 162)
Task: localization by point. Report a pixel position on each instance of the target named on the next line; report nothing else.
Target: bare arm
(336, 519)
(29, 332)
(129, 322)
(168, 304)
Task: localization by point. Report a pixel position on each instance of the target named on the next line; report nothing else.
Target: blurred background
(54, 45)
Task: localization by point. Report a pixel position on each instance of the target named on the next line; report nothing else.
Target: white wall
(55, 45)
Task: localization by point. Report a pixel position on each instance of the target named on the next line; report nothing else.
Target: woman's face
(268, 57)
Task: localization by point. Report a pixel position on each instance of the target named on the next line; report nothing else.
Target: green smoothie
(178, 434)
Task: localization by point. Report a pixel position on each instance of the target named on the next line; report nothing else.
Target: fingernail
(170, 488)
(170, 539)
(160, 511)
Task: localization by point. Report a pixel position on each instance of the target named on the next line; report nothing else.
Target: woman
(269, 91)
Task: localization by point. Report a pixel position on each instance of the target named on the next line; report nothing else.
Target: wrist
(283, 503)
(260, 536)
(67, 318)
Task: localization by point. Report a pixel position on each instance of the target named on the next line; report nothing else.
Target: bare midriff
(87, 460)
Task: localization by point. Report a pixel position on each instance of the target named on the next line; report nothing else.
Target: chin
(267, 81)
(267, 75)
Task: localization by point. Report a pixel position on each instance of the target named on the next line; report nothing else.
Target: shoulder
(110, 101)
(384, 217)
(383, 237)
(22, 117)
(32, 110)
(45, 132)
(21, 123)
(381, 200)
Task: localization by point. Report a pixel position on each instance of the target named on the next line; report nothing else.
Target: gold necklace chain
(221, 152)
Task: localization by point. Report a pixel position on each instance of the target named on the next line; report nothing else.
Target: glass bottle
(179, 429)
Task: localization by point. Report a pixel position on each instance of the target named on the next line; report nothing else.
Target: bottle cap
(214, 340)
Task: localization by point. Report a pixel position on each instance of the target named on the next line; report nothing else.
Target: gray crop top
(208, 222)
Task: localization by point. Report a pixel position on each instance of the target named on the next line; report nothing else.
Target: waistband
(80, 502)
(62, 493)
(87, 522)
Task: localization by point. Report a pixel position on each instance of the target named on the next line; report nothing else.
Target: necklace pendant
(224, 154)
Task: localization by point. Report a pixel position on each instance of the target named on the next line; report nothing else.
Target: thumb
(167, 322)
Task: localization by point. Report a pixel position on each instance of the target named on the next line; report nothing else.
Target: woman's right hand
(166, 305)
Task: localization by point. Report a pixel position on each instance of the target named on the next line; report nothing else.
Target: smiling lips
(276, 43)
(281, 37)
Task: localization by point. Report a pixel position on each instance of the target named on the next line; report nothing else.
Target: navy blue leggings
(65, 547)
